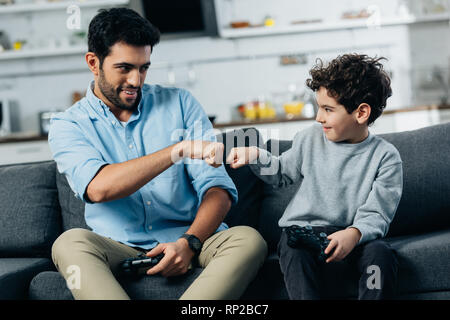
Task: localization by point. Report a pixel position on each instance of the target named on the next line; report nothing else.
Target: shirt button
(150, 227)
(149, 202)
(112, 122)
(130, 146)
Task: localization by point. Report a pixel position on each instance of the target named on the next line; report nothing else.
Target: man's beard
(113, 95)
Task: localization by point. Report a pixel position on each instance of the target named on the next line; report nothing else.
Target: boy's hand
(343, 242)
(241, 156)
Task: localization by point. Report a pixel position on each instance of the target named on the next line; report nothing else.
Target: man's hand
(211, 152)
(177, 257)
(343, 242)
(241, 156)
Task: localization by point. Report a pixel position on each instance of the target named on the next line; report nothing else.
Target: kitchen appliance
(44, 121)
(9, 118)
(194, 17)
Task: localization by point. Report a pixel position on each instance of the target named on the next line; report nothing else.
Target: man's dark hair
(353, 79)
(119, 25)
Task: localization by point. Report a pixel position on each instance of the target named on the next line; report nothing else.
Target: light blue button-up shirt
(88, 136)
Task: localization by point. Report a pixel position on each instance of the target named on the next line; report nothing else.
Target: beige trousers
(88, 261)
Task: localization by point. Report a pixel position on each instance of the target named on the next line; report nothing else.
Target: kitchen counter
(244, 122)
(21, 137)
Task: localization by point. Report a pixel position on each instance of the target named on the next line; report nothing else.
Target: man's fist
(211, 152)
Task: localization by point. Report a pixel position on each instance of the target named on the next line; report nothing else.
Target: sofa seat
(425, 257)
(16, 274)
(51, 286)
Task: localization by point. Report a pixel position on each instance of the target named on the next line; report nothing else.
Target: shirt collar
(94, 101)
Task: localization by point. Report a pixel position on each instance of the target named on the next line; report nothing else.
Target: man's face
(337, 123)
(123, 74)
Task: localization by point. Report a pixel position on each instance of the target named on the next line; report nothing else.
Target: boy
(351, 180)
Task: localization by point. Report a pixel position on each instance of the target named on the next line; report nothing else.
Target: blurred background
(246, 61)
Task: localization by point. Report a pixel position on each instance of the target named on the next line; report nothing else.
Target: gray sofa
(37, 205)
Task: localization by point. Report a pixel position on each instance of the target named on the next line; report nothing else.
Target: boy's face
(338, 125)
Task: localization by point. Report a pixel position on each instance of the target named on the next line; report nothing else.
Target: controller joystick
(140, 264)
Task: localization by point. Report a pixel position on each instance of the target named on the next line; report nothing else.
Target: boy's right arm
(280, 171)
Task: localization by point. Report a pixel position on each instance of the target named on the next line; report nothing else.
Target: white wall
(235, 76)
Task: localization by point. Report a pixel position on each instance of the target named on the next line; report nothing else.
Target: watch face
(194, 244)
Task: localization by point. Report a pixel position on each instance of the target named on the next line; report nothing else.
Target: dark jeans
(375, 262)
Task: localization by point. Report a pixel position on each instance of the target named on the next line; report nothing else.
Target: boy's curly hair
(353, 79)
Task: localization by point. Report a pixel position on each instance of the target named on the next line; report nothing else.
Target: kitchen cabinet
(302, 19)
(32, 12)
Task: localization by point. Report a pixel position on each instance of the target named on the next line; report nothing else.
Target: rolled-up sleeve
(198, 127)
(75, 157)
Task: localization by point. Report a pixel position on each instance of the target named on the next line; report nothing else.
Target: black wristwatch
(194, 243)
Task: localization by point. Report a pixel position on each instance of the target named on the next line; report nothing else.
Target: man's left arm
(211, 213)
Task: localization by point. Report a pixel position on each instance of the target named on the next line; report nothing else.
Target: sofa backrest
(249, 187)
(72, 208)
(30, 218)
(425, 202)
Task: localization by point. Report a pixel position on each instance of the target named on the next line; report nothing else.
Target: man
(119, 149)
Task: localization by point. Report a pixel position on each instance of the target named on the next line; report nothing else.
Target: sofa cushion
(249, 187)
(49, 285)
(52, 286)
(425, 202)
(72, 208)
(29, 213)
(424, 262)
(16, 274)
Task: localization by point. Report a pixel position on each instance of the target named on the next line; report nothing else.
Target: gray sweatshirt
(346, 185)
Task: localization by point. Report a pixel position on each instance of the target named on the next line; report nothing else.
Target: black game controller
(140, 264)
(305, 237)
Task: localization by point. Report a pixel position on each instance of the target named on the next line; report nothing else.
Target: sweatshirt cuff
(365, 235)
(263, 161)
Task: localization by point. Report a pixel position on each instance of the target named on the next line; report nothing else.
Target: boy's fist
(241, 156)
